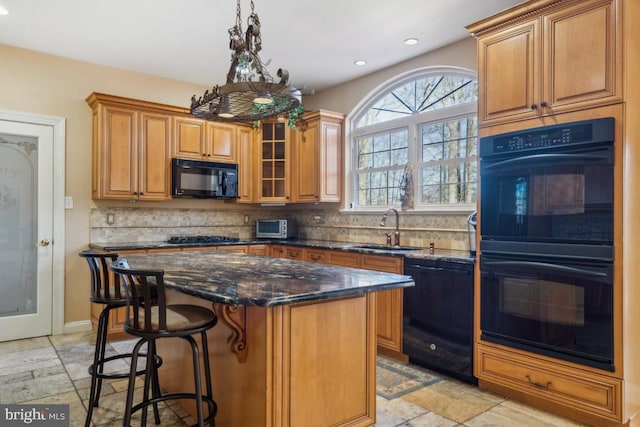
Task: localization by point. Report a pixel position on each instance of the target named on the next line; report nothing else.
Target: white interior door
(26, 229)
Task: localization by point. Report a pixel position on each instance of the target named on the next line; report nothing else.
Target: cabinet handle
(534, 106)
(537, 384)
(544, 104)
(315, 257)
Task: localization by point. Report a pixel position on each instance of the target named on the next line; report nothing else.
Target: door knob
(44, 242)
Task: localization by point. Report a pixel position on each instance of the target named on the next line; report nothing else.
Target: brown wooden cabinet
(246, 185)
(189, 137)
(584, 54)
(388, 305)
(287, 166)
(317, 158)
(204, 140)
(131, 151)
(561, 58)
(273, 155)
(573, 387)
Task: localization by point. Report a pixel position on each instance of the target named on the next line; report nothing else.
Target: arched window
(427, 120)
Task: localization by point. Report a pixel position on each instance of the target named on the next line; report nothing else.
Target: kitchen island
(296, 341)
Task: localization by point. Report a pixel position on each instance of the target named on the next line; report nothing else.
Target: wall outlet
(111, 218)
(246, 219)
(68, 202)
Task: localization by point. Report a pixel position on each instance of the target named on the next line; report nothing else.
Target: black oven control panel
(587, 131)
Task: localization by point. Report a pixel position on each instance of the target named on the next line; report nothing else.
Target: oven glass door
(552, 197)
(562, 310)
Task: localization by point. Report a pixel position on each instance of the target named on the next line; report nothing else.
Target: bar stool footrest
(157, 363)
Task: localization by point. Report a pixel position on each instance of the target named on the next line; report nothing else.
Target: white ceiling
(187, 40)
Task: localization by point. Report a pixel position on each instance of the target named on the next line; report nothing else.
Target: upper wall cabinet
(565, 57)
(244, 145)
(131, 150)
(273, 153)
(317, 158)
(202, 140)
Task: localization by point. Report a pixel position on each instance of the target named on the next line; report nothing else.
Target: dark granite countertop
(439, 254)
(249, 280)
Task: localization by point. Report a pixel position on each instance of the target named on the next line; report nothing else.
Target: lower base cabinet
(577, 393)
(388, 303)
(308, 364)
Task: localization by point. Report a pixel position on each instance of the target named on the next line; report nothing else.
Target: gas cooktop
(201, 239)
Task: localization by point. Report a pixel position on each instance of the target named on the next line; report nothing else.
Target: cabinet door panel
(120, 168)
(245, 165)
(189, 135)
(580, 43)
(221, 140)
(509, 75)
(331, 163)
(388, 304)
(306, 176)
(155, 157)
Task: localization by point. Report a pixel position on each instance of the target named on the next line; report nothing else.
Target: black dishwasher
(438, 316)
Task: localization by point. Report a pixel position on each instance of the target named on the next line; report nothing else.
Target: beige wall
(49, 85)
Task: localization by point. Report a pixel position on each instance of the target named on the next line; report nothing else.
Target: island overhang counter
(296, 341)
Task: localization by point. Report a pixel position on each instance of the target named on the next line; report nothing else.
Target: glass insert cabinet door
(274, 158)
(26, 172)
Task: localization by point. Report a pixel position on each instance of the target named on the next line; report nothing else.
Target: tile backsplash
(446, 230)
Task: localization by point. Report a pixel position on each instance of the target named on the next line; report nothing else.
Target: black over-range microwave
(194, 178)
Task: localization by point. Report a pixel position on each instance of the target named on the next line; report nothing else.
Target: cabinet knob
(534, 106)
(544, 104)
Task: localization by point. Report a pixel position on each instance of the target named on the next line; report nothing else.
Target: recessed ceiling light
(360, 62)
(3, 11)
(411, 41)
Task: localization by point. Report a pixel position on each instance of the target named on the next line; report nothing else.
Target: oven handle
(438, 269)
(547, 266)
(549, 156)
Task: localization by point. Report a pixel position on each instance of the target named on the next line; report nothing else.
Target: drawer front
(346, 259)
(294, 253)
(589, 392)
(389, 264)
(315, 255)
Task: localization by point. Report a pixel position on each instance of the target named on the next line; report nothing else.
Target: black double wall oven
(546, 224)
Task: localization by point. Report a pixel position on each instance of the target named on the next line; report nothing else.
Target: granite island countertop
(249, 280)
(439, 254)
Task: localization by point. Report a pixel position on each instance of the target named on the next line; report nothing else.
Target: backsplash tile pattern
(446, 230)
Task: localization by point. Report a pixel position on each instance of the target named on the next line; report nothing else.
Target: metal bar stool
(152, 322)
(112, 296)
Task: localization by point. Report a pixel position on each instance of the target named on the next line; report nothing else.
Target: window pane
(365, 161)
(400, 157)
(431, 152)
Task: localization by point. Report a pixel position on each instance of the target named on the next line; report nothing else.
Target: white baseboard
(81, 326)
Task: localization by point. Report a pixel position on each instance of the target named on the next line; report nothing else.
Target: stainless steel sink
(386, 248)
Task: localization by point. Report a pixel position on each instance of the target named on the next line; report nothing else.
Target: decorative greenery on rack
(293, 116)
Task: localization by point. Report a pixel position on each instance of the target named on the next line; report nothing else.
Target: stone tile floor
(52, 370)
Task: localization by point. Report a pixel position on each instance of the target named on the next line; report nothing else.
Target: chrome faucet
(396, 234)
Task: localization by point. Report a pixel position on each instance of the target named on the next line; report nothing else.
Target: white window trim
(403, 122)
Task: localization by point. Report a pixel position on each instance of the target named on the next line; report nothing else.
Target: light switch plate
(68, 202)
